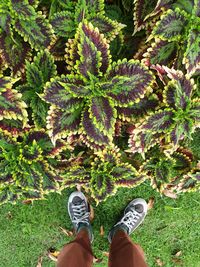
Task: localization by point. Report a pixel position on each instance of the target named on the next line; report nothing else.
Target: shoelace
(130, 219)
(80, 214)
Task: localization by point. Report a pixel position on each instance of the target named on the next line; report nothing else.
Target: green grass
(28, 231)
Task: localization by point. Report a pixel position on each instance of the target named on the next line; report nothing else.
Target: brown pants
(123, 253)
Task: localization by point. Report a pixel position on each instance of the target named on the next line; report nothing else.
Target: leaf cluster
(102, 95)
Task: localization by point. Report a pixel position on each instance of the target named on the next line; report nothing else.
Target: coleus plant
(66, 21)
(86, 100)
(13, 113)
(175, 120)
(104, 175)
(38, 72)
(26, 167)
(165, 171)
(22, 27)
(176, 36)
(67, 123)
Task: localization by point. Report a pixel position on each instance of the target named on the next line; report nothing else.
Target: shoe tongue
(77, 201)
(138, 208)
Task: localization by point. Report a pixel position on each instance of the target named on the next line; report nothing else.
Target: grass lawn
(28, 231)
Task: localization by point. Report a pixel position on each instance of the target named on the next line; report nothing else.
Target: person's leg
(123, 252)
(78, 253)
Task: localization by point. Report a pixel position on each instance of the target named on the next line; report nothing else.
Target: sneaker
(79, 213)
(134, 215)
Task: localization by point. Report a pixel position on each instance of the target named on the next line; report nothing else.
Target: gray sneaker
(79, 213)
(134, 215)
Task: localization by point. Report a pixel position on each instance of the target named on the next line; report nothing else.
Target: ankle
(119, 228)
(82, 226)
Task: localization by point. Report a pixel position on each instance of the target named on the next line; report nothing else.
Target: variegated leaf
(23, 9)
(61, 122)
(140, 109)
(141, 141)
(122, 171)
(31, 195)
(172, 25)
(103, 114)
(8, 194)
(14, 51)
(93, 51)
(161, 121)
(42, 139)
(92, 132)
(130, 81)
(192, 53)
(131, 181)
(57, 48)
(38, 31)
(110, 28)
(141, 9)
(161, 52)
(161, 4)
(29, 178)
(189, 183)
(5, 21)
(61, 91)
(49, 178)
(11, 105)
(89, 52)
(13, 127)
(196, 9)
(180, 130)
(101, 185)
(178, 91)
(63, 24)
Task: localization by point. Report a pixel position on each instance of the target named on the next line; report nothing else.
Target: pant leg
(124, 253)
(78, 253)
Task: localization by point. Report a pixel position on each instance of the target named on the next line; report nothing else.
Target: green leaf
(39, 111)
(172, 25)
(34, 76)
(38, 31)
(41, 70)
